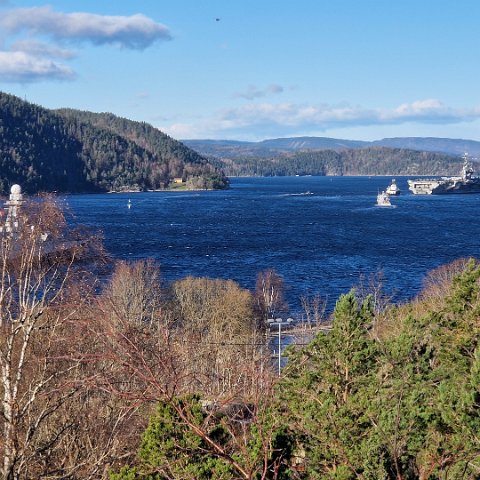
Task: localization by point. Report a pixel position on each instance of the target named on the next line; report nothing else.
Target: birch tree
(42, 289)
(269, 294)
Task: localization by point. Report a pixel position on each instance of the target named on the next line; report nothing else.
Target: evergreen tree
(427, 408)
(72, 151)
(188, 440)
(328, 388)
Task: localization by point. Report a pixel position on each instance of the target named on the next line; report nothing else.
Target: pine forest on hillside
(364, 161)
(71, 151)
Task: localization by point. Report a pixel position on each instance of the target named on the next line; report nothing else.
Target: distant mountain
(265, 148)
(72, 151)
(311, 143)
(330, 156)
(229, 148)
(431, 144)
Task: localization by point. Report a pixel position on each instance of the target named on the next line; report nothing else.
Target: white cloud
(185, 130)
(432, 111)
(284, 118)
(253, 92)
(24, 68)
(41, 49)
(31, 60)
(135, 31)
(327, 116)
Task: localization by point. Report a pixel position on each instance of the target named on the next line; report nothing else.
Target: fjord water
(322, 234)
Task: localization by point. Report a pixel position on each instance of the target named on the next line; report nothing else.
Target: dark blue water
(321, 243)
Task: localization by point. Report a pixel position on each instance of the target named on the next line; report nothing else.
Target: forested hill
(72, 151)
(269, 147)
(365, 161)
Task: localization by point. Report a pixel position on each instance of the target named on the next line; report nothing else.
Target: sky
(252, 69)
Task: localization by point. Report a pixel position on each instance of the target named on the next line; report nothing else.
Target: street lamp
(279, 321)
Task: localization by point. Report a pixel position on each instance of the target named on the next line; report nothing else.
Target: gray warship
(465, 183)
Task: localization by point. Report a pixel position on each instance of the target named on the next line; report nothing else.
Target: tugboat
(466, 183)
(383, 200)
(393, 189)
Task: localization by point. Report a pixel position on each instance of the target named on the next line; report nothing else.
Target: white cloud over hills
(265, 118)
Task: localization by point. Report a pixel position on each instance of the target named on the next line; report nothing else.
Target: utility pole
(279, 322)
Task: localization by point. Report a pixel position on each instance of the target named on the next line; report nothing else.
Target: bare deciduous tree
(38, 279)
(438, 282)
(269, 294)
(314, 308)
(203, 339)
(373, 286)
(133, 292)
(216, 326)
(53, 423)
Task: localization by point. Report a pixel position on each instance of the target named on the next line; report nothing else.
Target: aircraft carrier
(465, 183)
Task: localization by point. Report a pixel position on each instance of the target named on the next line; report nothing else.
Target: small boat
(129, 204)
(393, 189)
(383, 200)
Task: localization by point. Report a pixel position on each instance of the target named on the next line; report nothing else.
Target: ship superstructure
(383, 200)
(393, 189)
(465, 183)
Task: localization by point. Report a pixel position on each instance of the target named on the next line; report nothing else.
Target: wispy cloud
(432, 111)
(135, 31)
(253, 92)
(25, 68)
(327, 116)
(287, 118)
(41, 49)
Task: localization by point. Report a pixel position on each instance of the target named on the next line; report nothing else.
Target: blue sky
(353, 69)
